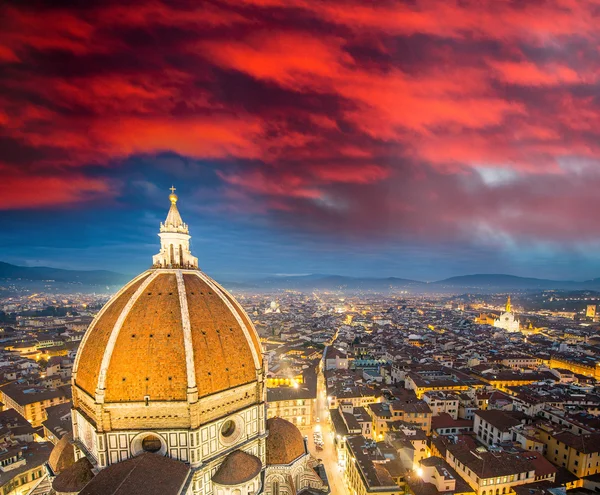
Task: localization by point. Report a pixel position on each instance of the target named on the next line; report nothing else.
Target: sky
(418, 138)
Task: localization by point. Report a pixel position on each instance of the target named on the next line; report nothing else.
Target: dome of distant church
(171, 334)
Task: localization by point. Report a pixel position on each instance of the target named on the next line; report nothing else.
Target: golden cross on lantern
(173, 190)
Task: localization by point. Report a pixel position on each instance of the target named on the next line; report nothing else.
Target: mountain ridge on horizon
(9, 271)
(313, 280)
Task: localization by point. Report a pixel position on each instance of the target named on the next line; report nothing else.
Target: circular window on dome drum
(151, 443)
(231, 430)
(228, 429)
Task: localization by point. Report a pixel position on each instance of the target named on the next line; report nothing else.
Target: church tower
(507, 320)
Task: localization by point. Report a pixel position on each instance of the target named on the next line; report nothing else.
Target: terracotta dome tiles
(62, 455)
(237, 468)
(284, 443)
(92, 349)
(222, 355)
(244, 317)
(149, 355)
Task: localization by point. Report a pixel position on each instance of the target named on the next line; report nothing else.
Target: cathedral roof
(62, 455)
(146, 474)
(165, 333)
(74, 478)
(284, 443)
(237, 468)
(171, 334)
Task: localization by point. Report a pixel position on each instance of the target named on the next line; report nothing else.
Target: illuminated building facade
(507, 320)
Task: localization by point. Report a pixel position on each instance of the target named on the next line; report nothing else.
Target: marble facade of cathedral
(169, 392)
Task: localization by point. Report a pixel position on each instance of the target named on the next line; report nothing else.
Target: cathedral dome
(165, 333)
(171, 334)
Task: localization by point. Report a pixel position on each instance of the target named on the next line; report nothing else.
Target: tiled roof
(62, 455)
(146, 474)
(444, 420)
(74, 478)
(502, 420)
(490, 464)
(149, 355)
(97, 336)
(586, 443)
(238, 467)
(284, 443)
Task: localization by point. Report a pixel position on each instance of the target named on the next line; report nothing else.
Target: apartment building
(369, 471)
(31, 401)
(494, 426)
(580, 454)
(442, 402)
(490, 473)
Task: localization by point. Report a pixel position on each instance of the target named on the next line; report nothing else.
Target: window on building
(151, 443)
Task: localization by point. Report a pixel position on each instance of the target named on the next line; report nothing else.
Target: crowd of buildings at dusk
(413, 394)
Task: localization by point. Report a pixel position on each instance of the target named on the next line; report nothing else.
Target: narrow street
(328, 455)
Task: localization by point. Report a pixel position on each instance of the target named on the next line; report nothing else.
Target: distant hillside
(500, 281)
(318, 281)
(44, 273)
(478, 282)
(483, 282)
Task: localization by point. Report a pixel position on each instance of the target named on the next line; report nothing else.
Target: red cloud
(27, 192)
(316, 109)
(259, 182)
(362, 174)
(529, 74)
